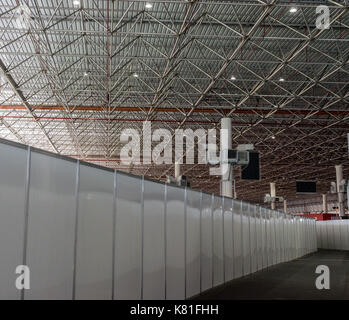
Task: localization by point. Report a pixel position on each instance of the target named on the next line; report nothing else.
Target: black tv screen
(252, 171)
(306, 186)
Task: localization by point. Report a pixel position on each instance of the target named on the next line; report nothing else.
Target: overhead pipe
(178, 110)
(236, 123)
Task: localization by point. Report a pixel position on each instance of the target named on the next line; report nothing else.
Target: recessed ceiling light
(85, 74)
(281, 79)
(273, 137)
(76, 3)
(135, 75)
(293, 10)
(232, 78)
(148, 5)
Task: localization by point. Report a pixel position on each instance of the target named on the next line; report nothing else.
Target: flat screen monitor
(252, 171)
(306, 186)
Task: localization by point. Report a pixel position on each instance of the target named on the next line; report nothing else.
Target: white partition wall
(175, 234)
(245, 216)
(253, 238)
(228, 239)
(259, 254)
(264, 238)
(128, 238)
(13, 170)
(154, 248)
(51, 227)
(88, 232)
(206, 242)
(237, 234)
(332, 234)
(218, 243)
(94, 253)
(193, 240)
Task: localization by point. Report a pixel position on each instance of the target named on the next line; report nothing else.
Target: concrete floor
(291, 280)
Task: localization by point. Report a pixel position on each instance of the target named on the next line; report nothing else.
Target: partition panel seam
(77, 181)
(26, 212)
(142, 246)
(166, 240)
(114, 237)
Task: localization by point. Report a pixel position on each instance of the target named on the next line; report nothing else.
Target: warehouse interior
(173, 149)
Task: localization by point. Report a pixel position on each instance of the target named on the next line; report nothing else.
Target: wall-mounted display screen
(306, 186)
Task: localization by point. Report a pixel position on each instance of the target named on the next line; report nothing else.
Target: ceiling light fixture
(273, 137)
(293, 10)
(148, 5)
(282, 80)
(135, 75)
(76, 3)
(232, 78)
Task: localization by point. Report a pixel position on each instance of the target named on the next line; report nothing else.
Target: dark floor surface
(290, 280)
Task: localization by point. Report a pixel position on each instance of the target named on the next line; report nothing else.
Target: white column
(285, 205)
(273, 194)
(324, 203)
(177, 170)
(227, 170)
(339, 178)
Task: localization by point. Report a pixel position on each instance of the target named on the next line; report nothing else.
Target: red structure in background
(319, 216)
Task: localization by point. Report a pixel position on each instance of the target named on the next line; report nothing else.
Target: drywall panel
(319, 234)
(94, 258)
(326, 228)
(259, 238)
(128, 238)
(282, 237)
(269, 238)
(344, 234)
(175, 243)
(154, 241)
(279, 236)
(264, 237)
(298, 237)
(193, 242)
(228, 239)
(13, 171)
(290, 237)
(237, 234)
(218, 244)
(331, 234)
(51, 227)
(206, 242)
(337, 234)
(246, 238)
(320, 229)
(253, 238)
(273, 236)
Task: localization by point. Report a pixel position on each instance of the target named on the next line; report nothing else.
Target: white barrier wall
(88, 232)
(333, 234)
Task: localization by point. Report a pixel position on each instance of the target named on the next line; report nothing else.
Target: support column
(273, 194)
(324, 203)
(177, 169)
(285, 205)
(226, 169)
(339, 178)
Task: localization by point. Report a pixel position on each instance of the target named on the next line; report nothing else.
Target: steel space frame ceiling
(74, 74)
